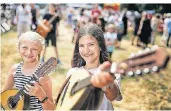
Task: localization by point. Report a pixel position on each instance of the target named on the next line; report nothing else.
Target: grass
(147, 92)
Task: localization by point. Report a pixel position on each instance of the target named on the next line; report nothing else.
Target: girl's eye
(34, 49)
(81, 46)
(91, 44)
(24, 47)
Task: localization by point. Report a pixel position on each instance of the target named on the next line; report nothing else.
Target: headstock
(146, 61)
(47, 67)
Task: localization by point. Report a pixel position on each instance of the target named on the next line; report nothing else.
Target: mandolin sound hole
(12, 103)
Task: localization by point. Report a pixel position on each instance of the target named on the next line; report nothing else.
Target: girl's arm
(42, 90)
(9, 83)
(103, 79)
(46, 84)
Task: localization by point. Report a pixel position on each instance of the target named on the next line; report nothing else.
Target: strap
(18, 69)
(81, 84)
(44, 99)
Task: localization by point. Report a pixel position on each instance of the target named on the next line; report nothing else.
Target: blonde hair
(33, 36)
(111, 26)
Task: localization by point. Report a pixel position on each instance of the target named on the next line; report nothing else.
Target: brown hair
(96, 32)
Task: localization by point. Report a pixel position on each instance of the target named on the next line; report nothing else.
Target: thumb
(105, 66)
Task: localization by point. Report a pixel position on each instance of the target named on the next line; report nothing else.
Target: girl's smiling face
(29, 50)
(89, 49)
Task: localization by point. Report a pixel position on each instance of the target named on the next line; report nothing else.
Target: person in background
(35, 15)
(111, 39)
(144, 30)
(96, 13)
(59, 11)
(125, 22)
(70, 16)
(154, 26)
(23, 18)
(52, 35)
(136, 27)
(168, 30)
(120, 28)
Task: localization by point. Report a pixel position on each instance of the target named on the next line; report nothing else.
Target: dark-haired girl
(90, 54)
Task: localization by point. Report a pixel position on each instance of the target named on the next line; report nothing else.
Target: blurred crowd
(115, 22)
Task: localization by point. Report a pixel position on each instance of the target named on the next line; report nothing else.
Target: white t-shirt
(110, 37)
(23, 16)
(106, 104)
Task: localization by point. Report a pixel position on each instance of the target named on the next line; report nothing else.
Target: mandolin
(77, 91)
(14, 99)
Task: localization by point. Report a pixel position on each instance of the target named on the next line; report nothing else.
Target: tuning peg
(130, 73)
(138, 72)
(132, 55)
(154, 47)
(155, 68)
(146, 70)
(113, 67)
(117, 75)
(139, 52)
(147, 50)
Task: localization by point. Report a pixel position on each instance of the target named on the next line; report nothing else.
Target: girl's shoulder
(72, 70)
(14, 68)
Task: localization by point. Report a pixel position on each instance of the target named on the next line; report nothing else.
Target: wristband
(44, 100)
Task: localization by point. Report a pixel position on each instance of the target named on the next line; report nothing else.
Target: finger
(105, 78)
(41, 78)
(108, 77)
(25, 91)
(95, 81)
(32, 83)
(44, 80)
(105, 66)
(36, 84)
(99, 80)
(26, 87)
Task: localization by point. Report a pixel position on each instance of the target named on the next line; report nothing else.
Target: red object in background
(114, 6)
(95, 15)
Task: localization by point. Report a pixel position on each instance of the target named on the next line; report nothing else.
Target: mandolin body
(5, 98)
(85, 98)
